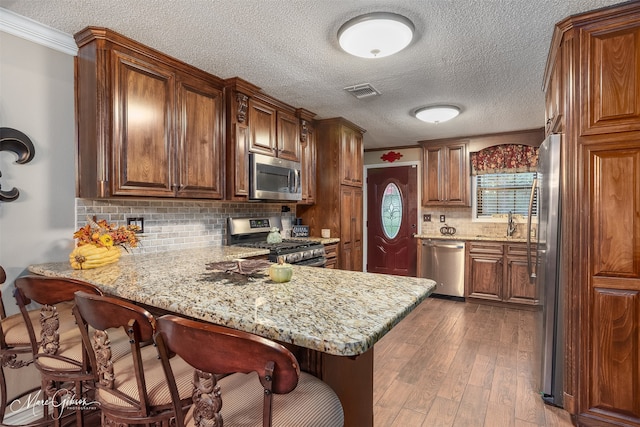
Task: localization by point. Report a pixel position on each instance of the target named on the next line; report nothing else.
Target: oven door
(273, 179)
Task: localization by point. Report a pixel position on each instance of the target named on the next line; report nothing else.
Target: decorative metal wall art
(19, 143)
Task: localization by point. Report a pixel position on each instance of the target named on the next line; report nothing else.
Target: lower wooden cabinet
(331, 253)
(497, 271)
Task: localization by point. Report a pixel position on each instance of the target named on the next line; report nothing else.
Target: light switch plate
(442, 218)
(426, 217)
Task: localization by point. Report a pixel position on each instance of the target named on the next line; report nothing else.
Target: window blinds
(500, 193)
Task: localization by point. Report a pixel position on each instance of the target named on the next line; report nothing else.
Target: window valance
(510, 158)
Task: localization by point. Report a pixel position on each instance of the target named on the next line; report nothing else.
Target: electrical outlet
(426, 217)
(137, 221)
(442, 218)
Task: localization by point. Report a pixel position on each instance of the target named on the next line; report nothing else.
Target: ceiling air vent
(363, 90)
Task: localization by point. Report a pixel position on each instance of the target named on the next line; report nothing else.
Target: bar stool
(56, 342)
(265, 384)
(14, 345)
(134, 389)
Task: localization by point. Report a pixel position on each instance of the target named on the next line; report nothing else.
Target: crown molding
(28, 29)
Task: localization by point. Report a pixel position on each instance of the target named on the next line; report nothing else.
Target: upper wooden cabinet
(262, 125)
(611, 74)
(256, 123)
(351, 158)
(445, 177)
(308, 156)
(554, 97)
(274, 132)
(147, 124)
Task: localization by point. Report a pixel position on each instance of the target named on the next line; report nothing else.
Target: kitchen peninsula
(331, 319)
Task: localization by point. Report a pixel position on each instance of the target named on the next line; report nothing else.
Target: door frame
(365, 237)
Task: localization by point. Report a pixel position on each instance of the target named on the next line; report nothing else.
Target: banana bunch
(90, 256)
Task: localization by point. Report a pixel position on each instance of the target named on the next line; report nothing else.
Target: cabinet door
(288, 136)
(446, 175)
(357, 159)
(143, 102)
(349, 157)
(262, 122)
(356, 219)
(612, 77)
(351, 228)
(456, 179)
(554, 102)
(238, 185)
(308, 159)
(346, 228)
(611, 333)
(518, 289)
(346, 155)
(485, 277)
(432, 187)
(200, 140)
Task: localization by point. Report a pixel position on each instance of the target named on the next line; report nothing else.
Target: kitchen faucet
(511, 226)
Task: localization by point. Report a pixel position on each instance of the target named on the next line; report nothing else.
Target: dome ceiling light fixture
(376, 34)
(437, 113)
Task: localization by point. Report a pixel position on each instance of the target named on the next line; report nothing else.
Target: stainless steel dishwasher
(443, 262)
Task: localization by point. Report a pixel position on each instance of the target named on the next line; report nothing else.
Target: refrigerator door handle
(530, 269)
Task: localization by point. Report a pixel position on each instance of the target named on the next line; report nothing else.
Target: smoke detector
(363, 90)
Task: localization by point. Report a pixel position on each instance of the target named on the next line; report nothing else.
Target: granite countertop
(334, 311)
(323, 240)
(472, 237)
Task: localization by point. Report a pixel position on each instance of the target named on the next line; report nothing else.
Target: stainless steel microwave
(271, 178)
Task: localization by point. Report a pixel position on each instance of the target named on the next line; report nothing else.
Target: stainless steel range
(252, 233)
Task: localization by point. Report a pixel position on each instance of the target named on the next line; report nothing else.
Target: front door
(392, 220)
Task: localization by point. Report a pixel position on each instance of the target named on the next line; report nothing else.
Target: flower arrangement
(98, 244)
(102, 234)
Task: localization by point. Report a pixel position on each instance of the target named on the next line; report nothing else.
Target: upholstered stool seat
(241, 379)
(311, 404)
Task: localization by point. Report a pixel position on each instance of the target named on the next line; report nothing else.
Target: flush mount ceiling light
(376, 35)
(437, 113)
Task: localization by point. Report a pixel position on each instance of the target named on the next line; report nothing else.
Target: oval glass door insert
(391, 210)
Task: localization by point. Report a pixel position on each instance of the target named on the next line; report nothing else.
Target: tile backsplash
(460, 218)
(177, 224)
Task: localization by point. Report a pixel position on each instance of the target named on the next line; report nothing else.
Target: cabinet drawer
(517, 249)
(331, 250)
(485, 248)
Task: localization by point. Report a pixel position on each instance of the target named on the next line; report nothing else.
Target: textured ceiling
(485, 56)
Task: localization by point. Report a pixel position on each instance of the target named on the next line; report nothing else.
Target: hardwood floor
(460, 364)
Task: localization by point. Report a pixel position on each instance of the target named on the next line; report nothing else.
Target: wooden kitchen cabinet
(598, 53)
(331, 253)
(273, 132)
(517, 286)
(257, 123)
(484, 270)
(497, 271)
(351, 159)
(445, 176)
(351, 228)
(308, 150)
(262, 125)
(338, 207)
(147, 124)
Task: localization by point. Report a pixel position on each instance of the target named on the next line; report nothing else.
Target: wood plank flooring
(460, 364)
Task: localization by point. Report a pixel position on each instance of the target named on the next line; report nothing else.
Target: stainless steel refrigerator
(544, 261)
